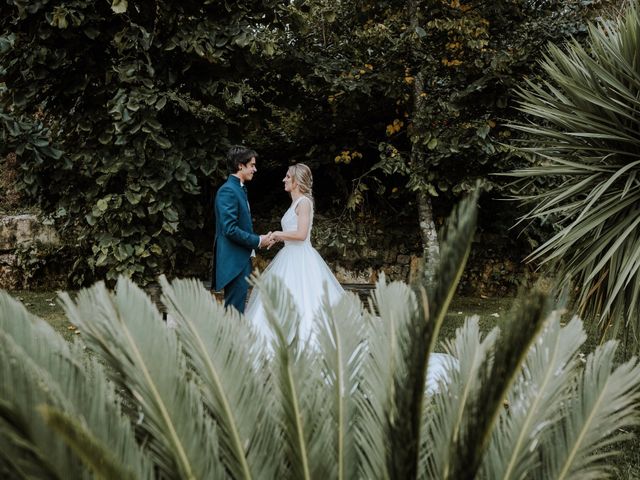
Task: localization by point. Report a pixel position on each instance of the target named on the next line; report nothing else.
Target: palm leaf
(445, 419)
(41, 368)
(385, 328)
(145, 359)
(535, 402)
(305, 402)
(342, 348)
(25, 385)
(583, 128)
(229, 360)
(496, 378)
(606, 402)
(93, 453)
(422, 329)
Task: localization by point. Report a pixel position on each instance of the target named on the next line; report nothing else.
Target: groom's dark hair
(239, 155)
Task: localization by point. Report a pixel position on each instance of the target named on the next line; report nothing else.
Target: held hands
(267, 241)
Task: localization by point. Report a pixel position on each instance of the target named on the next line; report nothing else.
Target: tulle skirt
(306, 275)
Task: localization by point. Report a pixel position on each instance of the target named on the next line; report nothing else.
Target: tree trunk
(428, 231)
(429, 234)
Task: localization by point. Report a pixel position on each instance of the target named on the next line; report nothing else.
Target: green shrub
(584, 135)
(209, 399)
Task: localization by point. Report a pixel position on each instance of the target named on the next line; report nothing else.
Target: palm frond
(445, 419)
(41, 368)
(25, 437)
(385, 328)
(534, 404)
(235, 384)
(584, 129)
(496, 378)
(423, 328)
(19, 457)
(126, 330)
(606, 402)
(340, 338)
(93, 453)
(303, 396)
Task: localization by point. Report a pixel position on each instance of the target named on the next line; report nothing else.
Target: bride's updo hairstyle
(302, 175)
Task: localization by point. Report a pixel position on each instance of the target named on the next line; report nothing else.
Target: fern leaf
(127, 331)
(341, 346)
(606, 402)
(306, 412)
(229, 360)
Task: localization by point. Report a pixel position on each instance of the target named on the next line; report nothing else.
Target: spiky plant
(211, 399)
(584, 132)
(52, 396)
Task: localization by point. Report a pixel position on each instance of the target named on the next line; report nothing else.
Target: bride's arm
(304, 217)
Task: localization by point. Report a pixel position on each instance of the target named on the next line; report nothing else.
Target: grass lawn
(45, 304)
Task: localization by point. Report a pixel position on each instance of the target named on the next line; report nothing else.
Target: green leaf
(170, 214)
(105, 138)
(133, 197)
(330, 16)
(483, 131)
(162, 101)
(163, 142)
(119, 6)
(91, 32)
(101, 260)
(103, 204)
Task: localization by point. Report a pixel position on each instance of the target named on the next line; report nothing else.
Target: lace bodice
(289, 221)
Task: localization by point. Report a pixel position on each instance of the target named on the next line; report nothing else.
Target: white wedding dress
(303, 272)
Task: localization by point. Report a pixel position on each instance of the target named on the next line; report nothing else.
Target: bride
(298, 264)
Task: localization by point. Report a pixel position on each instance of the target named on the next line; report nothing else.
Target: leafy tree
(120, 114)
(410, 95)
(583, 135)
(352, 407)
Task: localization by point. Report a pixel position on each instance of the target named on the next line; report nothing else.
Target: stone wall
(28, 250)
(19, 234)
(494, 267)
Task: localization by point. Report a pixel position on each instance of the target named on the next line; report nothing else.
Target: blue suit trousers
(235, 292)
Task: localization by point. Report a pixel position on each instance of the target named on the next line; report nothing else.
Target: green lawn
(45, 304)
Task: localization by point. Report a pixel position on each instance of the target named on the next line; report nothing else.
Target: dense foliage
(209, 399)
(584, 137)
(410, 95)
(120, 114)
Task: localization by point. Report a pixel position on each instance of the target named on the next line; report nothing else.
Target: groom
(235, 241)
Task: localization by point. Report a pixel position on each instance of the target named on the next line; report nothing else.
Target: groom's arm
(229, 212)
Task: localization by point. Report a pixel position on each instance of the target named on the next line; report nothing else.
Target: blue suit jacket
(234, 232)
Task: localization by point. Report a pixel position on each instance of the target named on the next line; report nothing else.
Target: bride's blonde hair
(302, 175)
